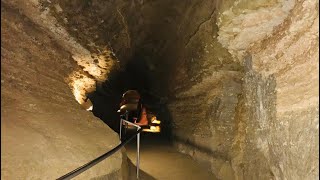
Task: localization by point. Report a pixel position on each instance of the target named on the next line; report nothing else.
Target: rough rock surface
(283, 125)
(241, 76)
(260, 122)
(226, 112)
(95, 63)
(44, 131)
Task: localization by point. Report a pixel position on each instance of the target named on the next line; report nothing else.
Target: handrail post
(120, 128)
(138, 153)
(126, 125)
(138, 144)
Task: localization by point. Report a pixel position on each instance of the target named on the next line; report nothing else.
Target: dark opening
(137, 75)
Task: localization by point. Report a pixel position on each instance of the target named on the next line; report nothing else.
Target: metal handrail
(90, 164)
(138, 141)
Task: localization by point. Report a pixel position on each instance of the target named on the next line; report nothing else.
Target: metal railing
(92, 163)
(139, 129)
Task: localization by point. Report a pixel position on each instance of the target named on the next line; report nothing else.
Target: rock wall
(44, 131)
(95, 63)
(260, 121)
(284, 128)
(207, 84)
(241, 76)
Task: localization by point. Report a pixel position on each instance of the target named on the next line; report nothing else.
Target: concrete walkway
(159, 160)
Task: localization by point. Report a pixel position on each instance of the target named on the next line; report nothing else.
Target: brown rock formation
(241, 76)
(44, 131)
(263, 121)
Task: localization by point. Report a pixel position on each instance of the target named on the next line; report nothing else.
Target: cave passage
(134, 75)
(235, 85)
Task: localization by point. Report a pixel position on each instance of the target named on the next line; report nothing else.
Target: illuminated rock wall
(260, 122)
(45, 133)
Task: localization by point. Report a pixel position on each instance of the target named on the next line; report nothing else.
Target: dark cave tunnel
(135, 75)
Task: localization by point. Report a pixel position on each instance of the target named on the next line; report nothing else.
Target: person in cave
(131, 102)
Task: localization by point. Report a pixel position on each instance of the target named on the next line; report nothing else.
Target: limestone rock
(44, 131)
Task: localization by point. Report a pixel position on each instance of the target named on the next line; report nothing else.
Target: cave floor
(160, 160)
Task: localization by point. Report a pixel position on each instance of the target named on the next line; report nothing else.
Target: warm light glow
(90, 108)
(153, 129)
(81, 84)
(155, 121)
(77, 94)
